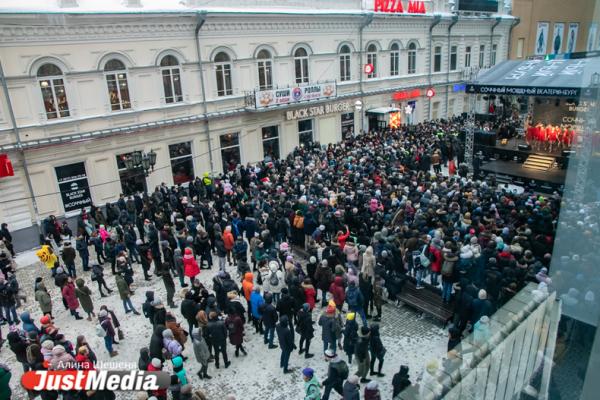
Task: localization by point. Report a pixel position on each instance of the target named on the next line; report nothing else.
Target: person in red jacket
(436, 260)
(229, 241)
(309, 293)
(190, 266)
(342, 237)
(156, 365)
(68, 292)
(339, 293)
(83, 359)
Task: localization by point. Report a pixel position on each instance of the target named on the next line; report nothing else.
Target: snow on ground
(256, 376)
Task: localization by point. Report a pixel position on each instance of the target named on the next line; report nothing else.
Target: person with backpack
(447, 271)
(274, 281)
(355, 301)
(106, 330)
(337, 373)
(312, 389)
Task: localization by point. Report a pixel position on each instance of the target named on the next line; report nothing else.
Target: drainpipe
(17, 133)
(436, 20)
(452, 23)
(200, 20)
(515, 22)
(498, 20)
(368, 20)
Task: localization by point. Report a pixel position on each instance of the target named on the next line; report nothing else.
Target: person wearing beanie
(304, 328)
(155, 366)
(312, 389)
(362, 353)
(400, 381)
(481, 331)
(481, 306)
(351, 388)
(327, 322)
(350, 335)
(311, 268)
(337, 372)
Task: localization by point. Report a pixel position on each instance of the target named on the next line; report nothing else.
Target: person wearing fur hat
(337, 372)
(481, 306)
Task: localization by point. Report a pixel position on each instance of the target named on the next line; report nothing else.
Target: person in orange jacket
(229, 241)
(247, 287)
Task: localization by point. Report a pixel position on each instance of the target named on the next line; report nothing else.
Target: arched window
(301, 65)
(223, 72)
(345, 74)
(395, 59)
(53, 91)
(171, 76)
(265, 70)
(118, 89)
(412, 58)
(372, 59)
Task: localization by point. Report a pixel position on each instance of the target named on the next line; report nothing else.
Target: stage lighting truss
(470, 136)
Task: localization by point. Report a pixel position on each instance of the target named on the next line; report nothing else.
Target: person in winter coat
(338, 292)
(286, 342)
(323, 277)
(81, 245)
(217, 333)
(356, 301)
(352, 388)
(68, 292)
(28, 324)
(228, 242)
(447, 272)
(337, 371)
(68, 256)
(247, 287)
(328, 329)
(377, 350)
(178, 333)
(167, 279)
(235, 327)
(274, 281)
(429, 383)
(43, 298)
(305, 329)
(144, 360)
(362, 353)
(481, 306)
(378, 285)
(400, 381)
(156, 365)
(156, 343)
(61, 360)
(269, 319)
(5, 375)
(189, 309)
(435, 254)
(309, 293)
(83, 359)
(312, 389)
(179, 267)
(350, 335)
(170, 344)
(256, 305)
(105, 321)
(8, 300)
(201, 352)
(179, 370)
(125, 294)
(18, 345)
(84, 295)
(147, 307)
(190, 266)
(372, 391)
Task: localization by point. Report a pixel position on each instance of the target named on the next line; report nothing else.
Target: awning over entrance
(547, 78)
(383, 110)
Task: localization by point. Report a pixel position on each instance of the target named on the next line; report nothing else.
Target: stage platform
(551, 180)
(513, 145)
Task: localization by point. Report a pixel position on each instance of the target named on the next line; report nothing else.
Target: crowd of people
(320, 240)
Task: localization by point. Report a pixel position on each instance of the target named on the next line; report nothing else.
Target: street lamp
(137, 160)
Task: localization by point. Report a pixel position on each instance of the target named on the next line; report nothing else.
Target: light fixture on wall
(137, 160)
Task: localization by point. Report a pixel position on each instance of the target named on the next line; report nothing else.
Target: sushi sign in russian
(275, 97)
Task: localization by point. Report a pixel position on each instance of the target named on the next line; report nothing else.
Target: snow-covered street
(409, 340)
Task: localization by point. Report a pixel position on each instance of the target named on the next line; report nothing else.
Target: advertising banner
(572, 38)
(73, 186)
(541, 39)
(557, 42)
(274, 97)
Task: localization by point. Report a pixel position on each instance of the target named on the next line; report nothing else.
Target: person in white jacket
(274, 280)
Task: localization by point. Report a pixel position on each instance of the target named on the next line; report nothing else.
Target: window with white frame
(412, 58)
(171, 76)
(182, 162)
(118, 88)
(372, 59)
(468, 56)
(345, 71)
(223, 74)
(481, 55)
(453, 57)
(305, 132)
(493, 55)
(437, 59)
(54, 96)
(301, 65)
(265, 70)
(395, 60)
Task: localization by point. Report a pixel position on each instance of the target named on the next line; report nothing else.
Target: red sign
(369, 68)
(6, 168)
(430, 93)
(395, 6)
(408, 94)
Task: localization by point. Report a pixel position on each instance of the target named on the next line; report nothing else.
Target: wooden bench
(428, 301)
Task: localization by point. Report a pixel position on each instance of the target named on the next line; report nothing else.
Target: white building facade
(206, 87)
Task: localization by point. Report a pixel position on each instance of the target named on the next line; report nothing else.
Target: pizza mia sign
(395, 6)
